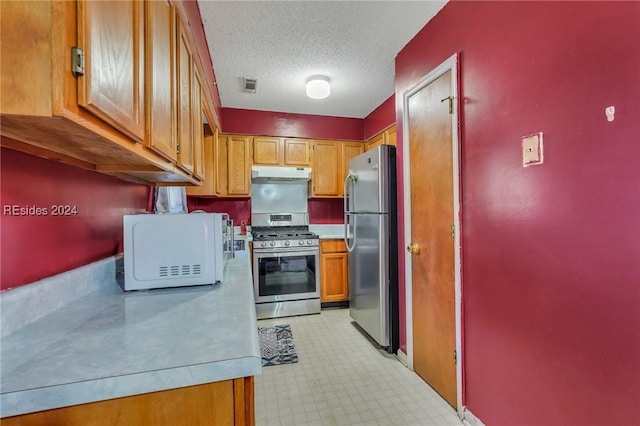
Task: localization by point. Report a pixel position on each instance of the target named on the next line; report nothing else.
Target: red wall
(270, 123)
(326, 211)
(36, 246)
(238, 209)
(380, 118)
(551, 275)
(321, 211)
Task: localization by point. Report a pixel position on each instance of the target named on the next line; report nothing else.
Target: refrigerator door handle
(352, 244)
(349, 195)
(347, 214)
(345, 193)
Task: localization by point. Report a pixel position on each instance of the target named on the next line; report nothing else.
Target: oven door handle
(278, 252)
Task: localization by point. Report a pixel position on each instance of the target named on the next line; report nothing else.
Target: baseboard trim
(330, 305)
(470, 419)
(402, 357)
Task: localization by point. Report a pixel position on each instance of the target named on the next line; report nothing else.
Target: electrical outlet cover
(532, 150)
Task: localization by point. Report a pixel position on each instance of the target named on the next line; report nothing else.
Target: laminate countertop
(109, 343)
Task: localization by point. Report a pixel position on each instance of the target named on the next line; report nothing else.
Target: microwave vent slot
(179, 270)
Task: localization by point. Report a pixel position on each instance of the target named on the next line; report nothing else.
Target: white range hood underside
(277, 173)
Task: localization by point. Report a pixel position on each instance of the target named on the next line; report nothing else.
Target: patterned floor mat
(276, 345)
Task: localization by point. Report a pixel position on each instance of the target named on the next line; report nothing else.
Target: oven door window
(280, 275)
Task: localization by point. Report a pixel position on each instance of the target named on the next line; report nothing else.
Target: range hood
(275, 173)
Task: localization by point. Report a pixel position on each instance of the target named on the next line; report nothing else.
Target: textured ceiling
(283, 43)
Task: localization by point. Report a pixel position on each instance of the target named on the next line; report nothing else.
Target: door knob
(413, 248)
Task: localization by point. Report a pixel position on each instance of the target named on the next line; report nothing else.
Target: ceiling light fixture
(318, 87)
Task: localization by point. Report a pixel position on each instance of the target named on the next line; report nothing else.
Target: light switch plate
(532, 153)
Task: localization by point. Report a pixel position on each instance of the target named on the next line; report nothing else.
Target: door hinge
(453, 231)
(178, 148)
(450, 99)
(77, 61)
(455, 356)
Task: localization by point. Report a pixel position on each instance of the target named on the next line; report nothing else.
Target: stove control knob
(300, 242)
(263, 244)
(272, 243)
(309, 242)
(287, 243)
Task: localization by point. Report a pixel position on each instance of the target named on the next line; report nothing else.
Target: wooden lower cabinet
(334, 272)
(229, 402)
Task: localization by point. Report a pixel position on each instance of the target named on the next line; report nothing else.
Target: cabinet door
(390, 136)
(266, 151)
(208, 187)
(375, 141)
(198, 125)
(239, 169)
(349, 150)
(160, 77)
(325, 175)
(334, 285)
(185, 124)
(221, 163)
(112, 88)
(296, 152)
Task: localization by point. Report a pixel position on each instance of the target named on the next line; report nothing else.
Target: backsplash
(321, 211)
(326, 211)
(238, 209)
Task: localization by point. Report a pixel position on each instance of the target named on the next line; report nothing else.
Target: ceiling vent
(250, 85)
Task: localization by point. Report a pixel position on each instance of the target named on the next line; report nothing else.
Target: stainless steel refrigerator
(370, 217)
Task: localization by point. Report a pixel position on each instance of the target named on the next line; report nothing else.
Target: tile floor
(342, 379)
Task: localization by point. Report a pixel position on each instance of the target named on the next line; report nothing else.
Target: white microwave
(172, 250)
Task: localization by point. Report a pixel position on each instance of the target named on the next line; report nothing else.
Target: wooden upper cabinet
(208, 186)
(118, 114)
(198, 125)
(267, 151)
(184, 105)
(349, 150)
(239, 165)
(386, 137)
(111, 35)
(325, 171)
(271, 151)
(375, 141)
(160, 64)
(330, 167)
(390, 136)
(221, 162)
(297, 152)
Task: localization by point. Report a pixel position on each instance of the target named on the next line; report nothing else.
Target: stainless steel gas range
(286, 274)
